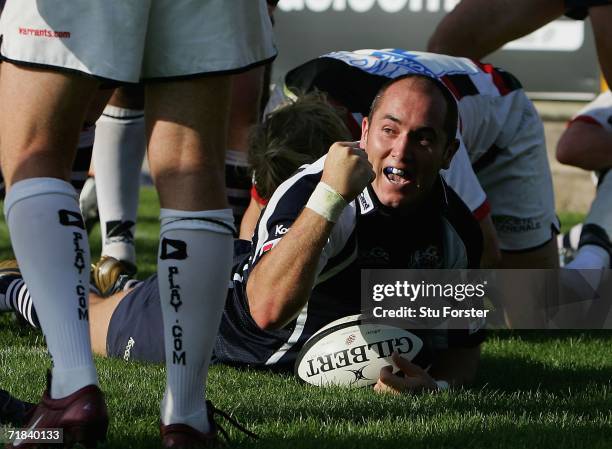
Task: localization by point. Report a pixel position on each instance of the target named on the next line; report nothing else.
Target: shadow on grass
(511, 374)
(545, 336)
(489, 437)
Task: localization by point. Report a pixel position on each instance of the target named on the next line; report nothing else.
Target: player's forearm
(280, 284)
(476, 28)
(601, 17)
(249, 220)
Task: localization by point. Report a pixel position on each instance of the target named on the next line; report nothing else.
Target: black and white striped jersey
(440, 234)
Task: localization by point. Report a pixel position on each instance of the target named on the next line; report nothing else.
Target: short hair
(452, 114)
(294, 135)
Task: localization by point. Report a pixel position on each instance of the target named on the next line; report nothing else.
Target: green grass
(534, 390)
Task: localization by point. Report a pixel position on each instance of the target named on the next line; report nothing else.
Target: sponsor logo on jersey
(375, 256)
(41, 32)
(365, 202)
(391, 63)
(515, 225)
(280, 230)
(427, 258)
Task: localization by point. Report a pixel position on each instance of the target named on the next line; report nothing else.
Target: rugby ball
(350, 352)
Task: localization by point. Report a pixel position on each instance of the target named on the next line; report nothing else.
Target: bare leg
(601, 18)
(476, 28)
(100, 313)
(244, 113)
(180, 151)
(187, 128)
(41, 115)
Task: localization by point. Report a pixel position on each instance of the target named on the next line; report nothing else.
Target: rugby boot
(182, 436)
(82, 415)
(110, 275)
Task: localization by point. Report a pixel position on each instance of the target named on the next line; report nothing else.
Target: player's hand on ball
(347, 169)
(415, 378)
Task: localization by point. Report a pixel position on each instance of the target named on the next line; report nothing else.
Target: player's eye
(424, 139)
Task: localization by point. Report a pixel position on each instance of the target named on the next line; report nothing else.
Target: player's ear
(365, 126)
(449, 152)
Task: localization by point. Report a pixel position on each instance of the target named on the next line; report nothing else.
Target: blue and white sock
(17, 298)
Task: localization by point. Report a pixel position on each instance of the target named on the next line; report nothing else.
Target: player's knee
(566, 153)
(570, 147)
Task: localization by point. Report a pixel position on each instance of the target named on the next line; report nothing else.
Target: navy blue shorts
(136, 329)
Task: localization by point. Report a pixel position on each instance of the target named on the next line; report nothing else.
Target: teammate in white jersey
(54, 61)
(587, 143)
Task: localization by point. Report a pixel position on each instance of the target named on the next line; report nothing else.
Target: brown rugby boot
(82, 415)
(182, 436)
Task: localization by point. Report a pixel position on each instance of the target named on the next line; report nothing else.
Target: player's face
(406, 142)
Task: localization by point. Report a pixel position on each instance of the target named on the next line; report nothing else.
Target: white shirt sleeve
(462, 179)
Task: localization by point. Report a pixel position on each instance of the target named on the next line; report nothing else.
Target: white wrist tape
(442, 385)
(326, 202)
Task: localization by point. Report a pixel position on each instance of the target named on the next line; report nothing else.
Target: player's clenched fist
(347, 169)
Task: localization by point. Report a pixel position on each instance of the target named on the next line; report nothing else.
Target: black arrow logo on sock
(173, 249)
(69, 218)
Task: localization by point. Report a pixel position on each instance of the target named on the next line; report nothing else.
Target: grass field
(534, 390)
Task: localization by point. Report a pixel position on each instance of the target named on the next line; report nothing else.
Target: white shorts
(597, 112)
(518, 184)
(133, 40)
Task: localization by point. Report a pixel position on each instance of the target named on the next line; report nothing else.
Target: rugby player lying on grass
(385, 207)
(587, 144)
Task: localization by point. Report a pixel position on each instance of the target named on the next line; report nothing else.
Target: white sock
(590, 256)
(118, 153)
(591, 260)
(193, 269)
(572, 237)
(50, 243)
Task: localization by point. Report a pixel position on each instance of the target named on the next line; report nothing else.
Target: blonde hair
(294, 135)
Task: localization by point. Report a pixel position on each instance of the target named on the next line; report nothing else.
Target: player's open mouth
(397, 175)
